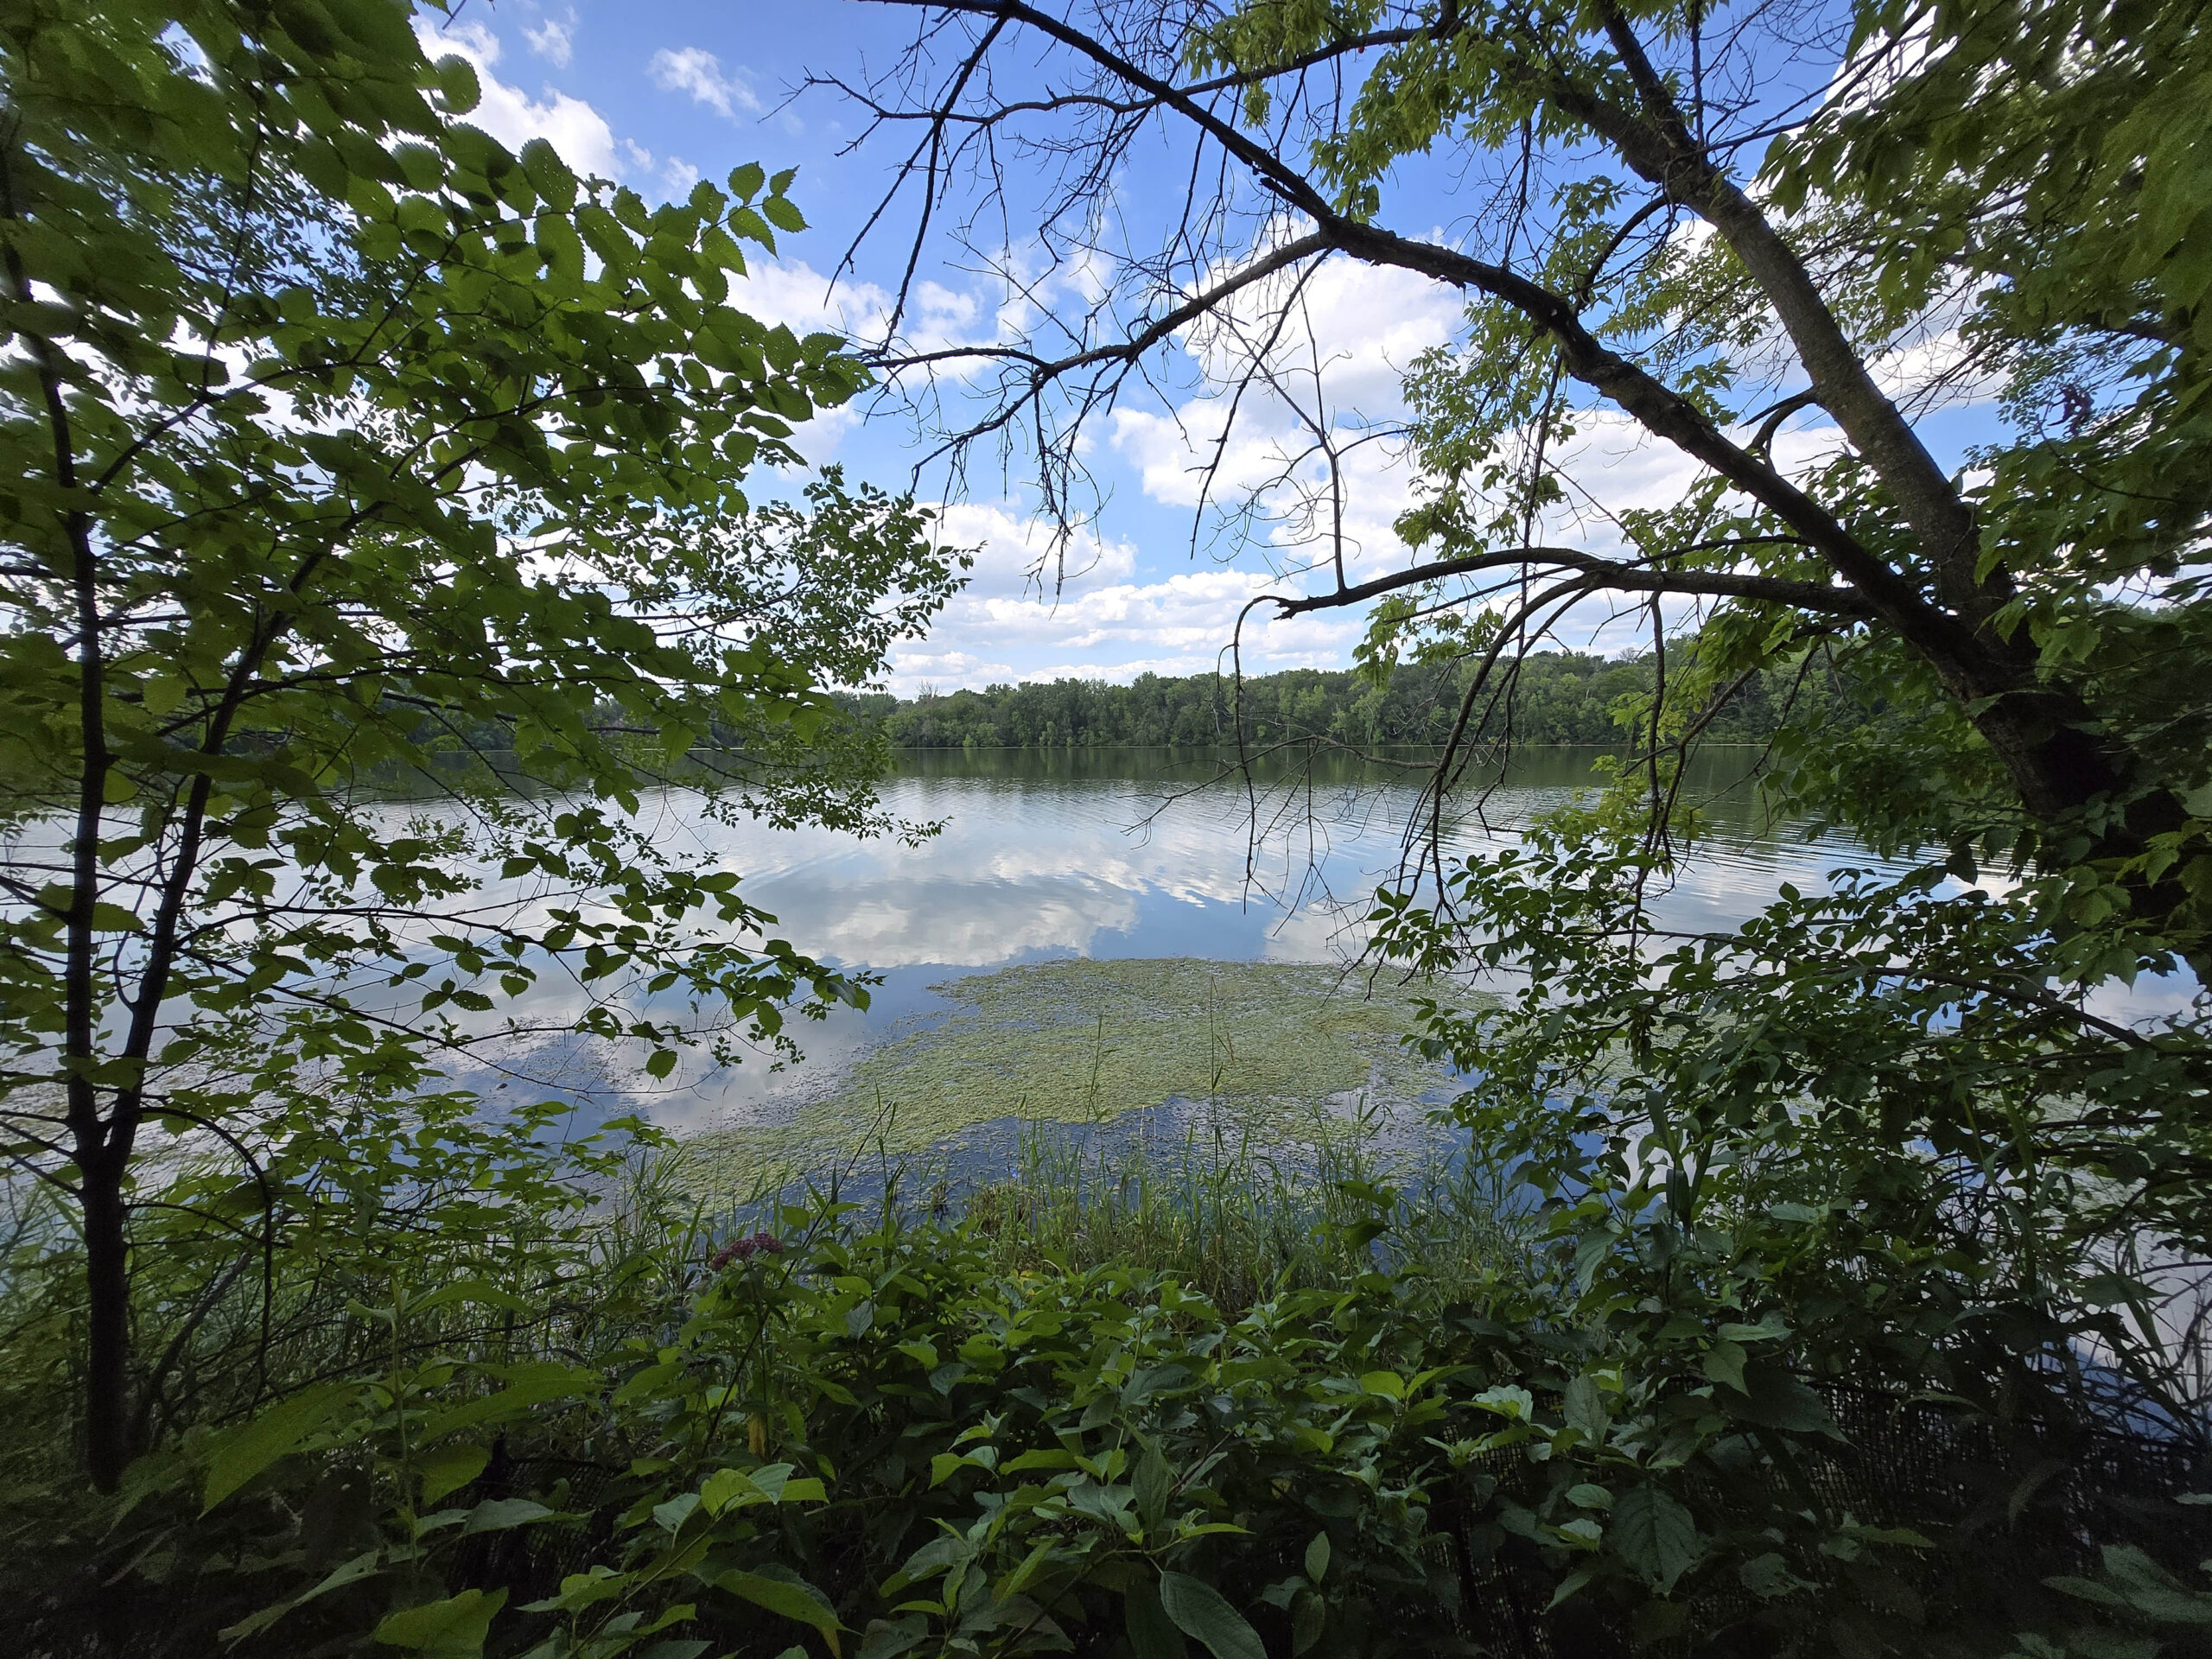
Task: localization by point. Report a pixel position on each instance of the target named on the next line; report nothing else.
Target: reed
(1230, 1206)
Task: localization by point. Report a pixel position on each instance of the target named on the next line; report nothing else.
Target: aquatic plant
(1295, 1051)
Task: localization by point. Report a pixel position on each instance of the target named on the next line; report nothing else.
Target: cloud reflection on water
(1045, 856)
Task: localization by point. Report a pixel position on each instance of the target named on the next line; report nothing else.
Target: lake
(1127, 936)
(1093, 931)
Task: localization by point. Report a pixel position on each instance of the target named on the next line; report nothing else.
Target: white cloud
(679, 175)
(695, 70)
(1182, 462)
(1359, 325)
(570, 125)
(1330, 348)
(794, 293)
(1178, 625)
(1020, 555)
(554, 40)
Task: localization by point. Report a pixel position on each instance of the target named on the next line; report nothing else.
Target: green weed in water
(1264, 1044)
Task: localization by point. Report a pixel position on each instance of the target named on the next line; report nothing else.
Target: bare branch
(1601, 573)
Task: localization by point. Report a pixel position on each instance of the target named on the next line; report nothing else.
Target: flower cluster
(742, 1249)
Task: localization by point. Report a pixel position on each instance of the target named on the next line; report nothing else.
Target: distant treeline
(1562, 698)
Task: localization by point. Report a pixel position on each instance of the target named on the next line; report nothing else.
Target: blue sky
(659, 92)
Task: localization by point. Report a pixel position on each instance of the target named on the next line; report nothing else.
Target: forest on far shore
(1563, 697)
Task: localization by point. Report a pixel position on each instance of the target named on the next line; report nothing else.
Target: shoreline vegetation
(1559, 697)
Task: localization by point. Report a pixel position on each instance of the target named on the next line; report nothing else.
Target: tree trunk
(108, 1449)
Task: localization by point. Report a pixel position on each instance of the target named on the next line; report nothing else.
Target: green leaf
(248, 1451)
(729, 1487)
(498, 1514)
(367, 1565)
(528, 1386)
(783, 214)
(1724, 1363)
(1768, 1576)
(1153, 1634)
(452, 1629)
(1772, 1398)
(1569, 1587)
(2133, 1581)
(1202, 1614)
(1584, 1408)
(1654, 1535)
(457, 84)
(1317, 1557)
(451, 1468)
(561, 247)
(783, 1591)
(1153, 1484)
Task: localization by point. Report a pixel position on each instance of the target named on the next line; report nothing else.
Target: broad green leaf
(887, 1639)
(1153, 1484)
(1773, 1398)
(1584, 1408)
(528, 1386)
(452, 1629)
(498, 1514)
(1202, 1614)
(2131, 1580)
(787, 1594)
(729, 1488)
(1724, 1363)
(1152, 1633)
(247, 1451)
(1654, 1535)
(451, 1468)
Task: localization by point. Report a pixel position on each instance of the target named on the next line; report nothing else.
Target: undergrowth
(481, 1396)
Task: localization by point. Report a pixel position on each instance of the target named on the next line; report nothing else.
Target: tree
(1669, 216)
(1883, 1135)
(339, 439)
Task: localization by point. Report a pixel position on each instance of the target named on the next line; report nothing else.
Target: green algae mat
(1087, 1041)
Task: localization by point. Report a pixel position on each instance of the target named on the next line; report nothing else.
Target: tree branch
(1604, 573)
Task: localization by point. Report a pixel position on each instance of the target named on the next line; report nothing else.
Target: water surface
(1150, 853)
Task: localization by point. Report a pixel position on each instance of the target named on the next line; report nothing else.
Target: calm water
(1136, 853)
(1110, 853)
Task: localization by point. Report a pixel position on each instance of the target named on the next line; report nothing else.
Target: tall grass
(1235, 1207)
(230, 1319)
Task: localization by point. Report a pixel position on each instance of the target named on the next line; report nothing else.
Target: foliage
(1991, 1191)
(1007, 1434)
(1892, 1134)
(1874, 1118)
(333, 429)
(2010, 230)
(334, 441)
(880, 1435)
(1557, 697)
